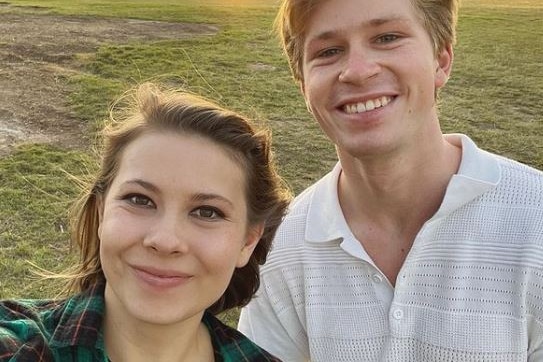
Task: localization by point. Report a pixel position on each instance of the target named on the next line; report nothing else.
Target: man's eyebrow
(328, 34)
(388, 19)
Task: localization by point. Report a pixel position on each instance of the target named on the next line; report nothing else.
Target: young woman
(171, 232)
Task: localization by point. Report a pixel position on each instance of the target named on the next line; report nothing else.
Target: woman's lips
(160, 278)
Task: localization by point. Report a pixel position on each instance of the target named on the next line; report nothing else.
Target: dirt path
(36, 55)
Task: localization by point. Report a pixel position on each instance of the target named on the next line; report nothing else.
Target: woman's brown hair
(151, 109)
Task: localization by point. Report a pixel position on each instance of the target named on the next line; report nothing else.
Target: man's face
(370, 75)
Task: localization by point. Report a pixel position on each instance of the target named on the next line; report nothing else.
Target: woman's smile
(159, 278)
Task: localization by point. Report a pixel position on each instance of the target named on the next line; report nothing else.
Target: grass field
(495, 95)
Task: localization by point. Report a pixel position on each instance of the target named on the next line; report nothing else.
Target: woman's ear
(251, 241)
(99, 204)
(444, 62)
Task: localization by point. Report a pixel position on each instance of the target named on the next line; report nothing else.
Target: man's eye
(326, 53)
(387, 38)
(208, 213)
(140, 200)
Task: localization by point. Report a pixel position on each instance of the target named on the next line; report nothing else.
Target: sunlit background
(503, 3)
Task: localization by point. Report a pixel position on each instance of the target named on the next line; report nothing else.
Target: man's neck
(387, 200)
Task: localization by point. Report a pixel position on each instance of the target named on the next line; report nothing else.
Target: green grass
(495, 95)
(35, 195)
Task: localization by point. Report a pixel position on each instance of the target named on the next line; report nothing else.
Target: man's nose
(359, 66)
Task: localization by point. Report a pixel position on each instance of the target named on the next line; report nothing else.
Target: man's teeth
(367, 106)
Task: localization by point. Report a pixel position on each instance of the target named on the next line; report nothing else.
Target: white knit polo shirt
(470, 290)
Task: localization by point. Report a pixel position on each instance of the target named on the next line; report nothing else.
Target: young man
(417, 246)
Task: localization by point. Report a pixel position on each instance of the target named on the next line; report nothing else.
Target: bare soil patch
(37, 54)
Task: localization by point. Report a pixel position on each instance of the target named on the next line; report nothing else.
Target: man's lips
(366, 106)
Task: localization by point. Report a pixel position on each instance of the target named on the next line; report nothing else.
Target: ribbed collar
(479, 171)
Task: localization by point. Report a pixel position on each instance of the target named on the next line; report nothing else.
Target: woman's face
(173, 227)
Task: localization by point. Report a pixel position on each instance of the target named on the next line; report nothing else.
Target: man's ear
(444, 63)
(302, 90)
(251, 241)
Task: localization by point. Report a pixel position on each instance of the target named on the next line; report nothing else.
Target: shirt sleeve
(20, 337)
(535, 351)
(282, 336)
(9, 344)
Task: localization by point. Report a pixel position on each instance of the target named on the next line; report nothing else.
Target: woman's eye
(140, 200)
(208, 213)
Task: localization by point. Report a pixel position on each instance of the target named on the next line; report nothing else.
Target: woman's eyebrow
(211, 196)
(145, 184)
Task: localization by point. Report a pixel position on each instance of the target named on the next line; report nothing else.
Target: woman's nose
(167, 236)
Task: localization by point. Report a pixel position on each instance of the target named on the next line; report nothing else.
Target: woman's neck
(128, 339)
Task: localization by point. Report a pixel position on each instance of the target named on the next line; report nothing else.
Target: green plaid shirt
(70, 330)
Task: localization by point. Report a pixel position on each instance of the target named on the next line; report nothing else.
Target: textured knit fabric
(470, 289)
(70, 330)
